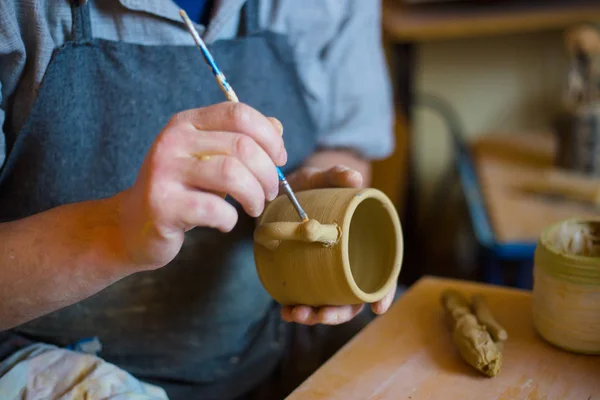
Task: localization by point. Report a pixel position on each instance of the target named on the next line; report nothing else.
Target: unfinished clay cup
(349, 252)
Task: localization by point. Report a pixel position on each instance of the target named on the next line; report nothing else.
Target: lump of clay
(474, 342)
(485, 317)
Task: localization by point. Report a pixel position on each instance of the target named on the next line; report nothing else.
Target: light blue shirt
(337, 45)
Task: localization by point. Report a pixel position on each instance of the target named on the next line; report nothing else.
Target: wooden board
(403, 22)
(408, 353)
(503, 163)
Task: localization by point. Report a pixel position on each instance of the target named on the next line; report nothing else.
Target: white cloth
(45, 372)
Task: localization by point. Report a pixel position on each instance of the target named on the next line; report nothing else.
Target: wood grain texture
(507, 162)
(408, 353)
(427, 22)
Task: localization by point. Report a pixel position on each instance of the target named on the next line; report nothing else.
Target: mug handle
(271, 234)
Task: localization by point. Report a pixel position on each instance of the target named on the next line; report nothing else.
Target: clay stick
(455, 304)
(485, 317)
(272, 234)
(474, 342)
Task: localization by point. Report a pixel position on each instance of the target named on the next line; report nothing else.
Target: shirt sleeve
(12, 62)
(360, 102)
(29, 32)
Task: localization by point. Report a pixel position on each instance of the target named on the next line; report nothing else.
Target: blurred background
(497, 130)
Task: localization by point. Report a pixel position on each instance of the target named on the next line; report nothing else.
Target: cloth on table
(43, 371)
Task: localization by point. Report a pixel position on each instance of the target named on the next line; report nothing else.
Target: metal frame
(493, 251)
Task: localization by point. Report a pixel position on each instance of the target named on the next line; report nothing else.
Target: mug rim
(361, 196)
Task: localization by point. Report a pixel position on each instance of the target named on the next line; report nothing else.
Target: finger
(338, 176)
(205, 209)
(304, 315)
(243, 148)
(335, 315)
(343, 176)
(239, 118)
(286, 313)
(384, 304)
(228, 175)
(277, 124)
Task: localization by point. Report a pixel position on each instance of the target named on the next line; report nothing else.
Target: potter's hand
(200, 155)
(313, 178)
(333, 315)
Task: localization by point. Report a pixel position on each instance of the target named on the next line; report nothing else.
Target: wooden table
(504, 162)
(408, 354)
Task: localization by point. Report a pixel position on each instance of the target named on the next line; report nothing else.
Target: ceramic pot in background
(349, 252)
(566, 290)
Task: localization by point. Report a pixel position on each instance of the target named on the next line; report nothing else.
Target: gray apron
(203, 323)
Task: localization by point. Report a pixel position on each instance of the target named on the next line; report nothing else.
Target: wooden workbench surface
(408, 353)
(458, 19)
(503, 163)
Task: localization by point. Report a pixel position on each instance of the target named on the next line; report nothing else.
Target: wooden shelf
(424, 22)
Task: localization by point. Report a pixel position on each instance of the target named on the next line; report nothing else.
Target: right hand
(225, 148)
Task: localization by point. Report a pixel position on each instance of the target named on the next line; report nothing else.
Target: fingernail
(273, 193)
(278, 125)
(376, 308)
(283, 157)
(255, 211)
(331, 316)
(303, 315)
(356, 175)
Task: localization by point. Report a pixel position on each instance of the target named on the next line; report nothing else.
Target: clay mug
(349, 252)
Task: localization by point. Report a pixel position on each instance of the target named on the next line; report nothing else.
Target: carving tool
(231, 96)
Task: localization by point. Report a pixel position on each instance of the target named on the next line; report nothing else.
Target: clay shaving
(582, 239)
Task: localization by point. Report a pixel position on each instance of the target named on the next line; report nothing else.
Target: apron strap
(82, 26)
(250, 17)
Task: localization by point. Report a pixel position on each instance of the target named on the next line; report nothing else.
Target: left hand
(312, 178)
